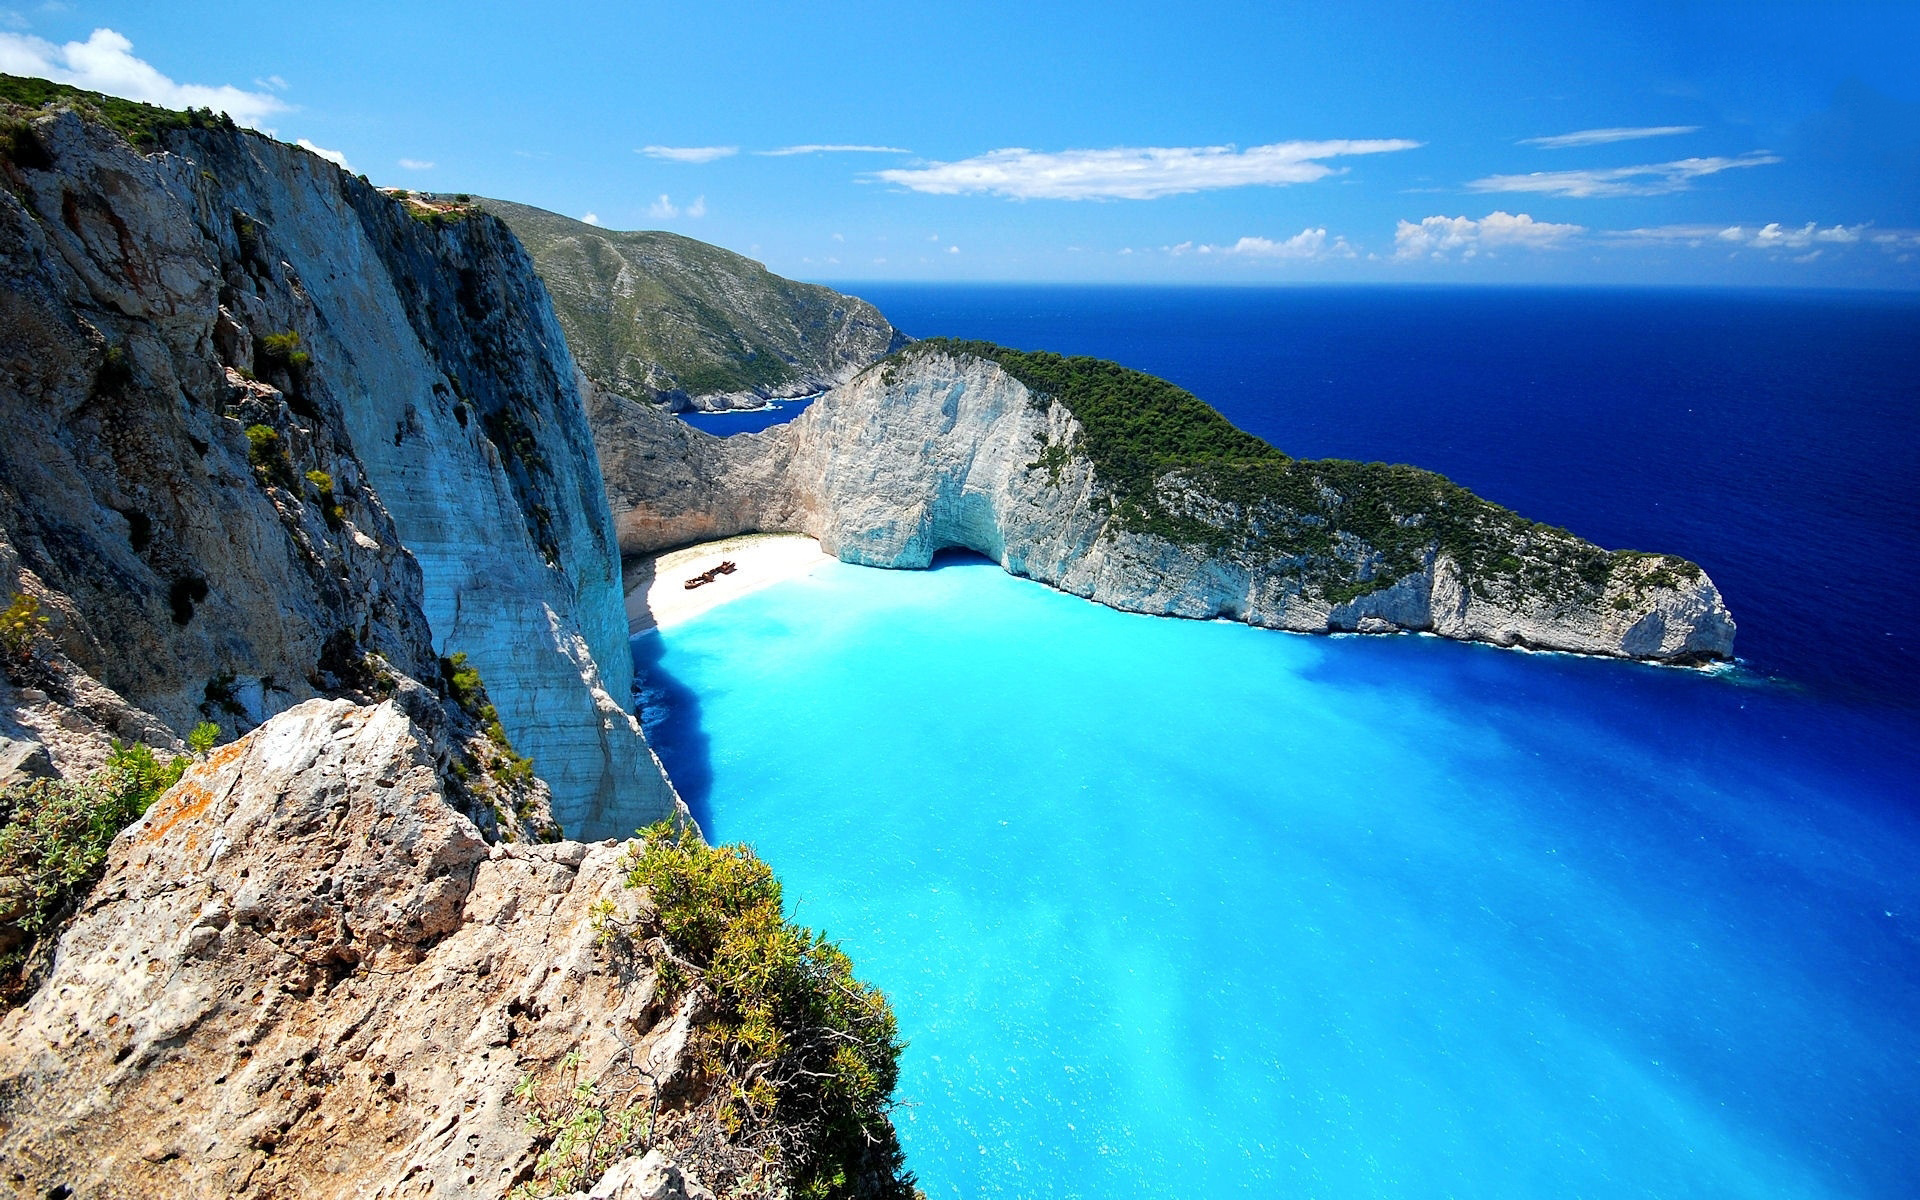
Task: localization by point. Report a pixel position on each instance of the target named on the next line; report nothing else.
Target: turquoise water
(1177, 908)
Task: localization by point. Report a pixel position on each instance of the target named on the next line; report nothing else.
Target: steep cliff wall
(270, 421)
(664, 317)
(276, 443)
(941, 448)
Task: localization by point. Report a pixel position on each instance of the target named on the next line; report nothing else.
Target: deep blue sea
(1182, 908)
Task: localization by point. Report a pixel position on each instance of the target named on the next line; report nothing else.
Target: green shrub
(330, 505)
(268, 456)
(21, 625)
(803, 1057)
(115, 375)
(283, 349)
(54, 838)
(201, 740)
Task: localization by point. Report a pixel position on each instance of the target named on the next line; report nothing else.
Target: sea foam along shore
(657, 595)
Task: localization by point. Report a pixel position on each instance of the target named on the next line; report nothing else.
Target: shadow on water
(670, 710)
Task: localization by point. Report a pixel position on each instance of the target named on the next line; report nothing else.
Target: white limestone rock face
(943, 450)
(430, 390)
(305, 974)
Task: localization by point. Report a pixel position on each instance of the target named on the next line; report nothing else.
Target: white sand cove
(657, 595)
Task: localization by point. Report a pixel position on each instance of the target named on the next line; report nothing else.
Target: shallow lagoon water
(1179, 908)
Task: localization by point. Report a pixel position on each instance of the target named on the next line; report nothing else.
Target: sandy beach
(657, 595)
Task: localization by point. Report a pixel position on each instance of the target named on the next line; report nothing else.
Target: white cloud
(105, 63)
(1774, 236)
(953, 249)
(1133, 173)
(688, 154)
(272, 83)
(662, 209)
(13, 19)
(1438, 237)
(784, 151)
(1600, 137)
(1308, 243)
(591, 219)
(698, 208)
(839, 237)
(1652, 179)
(333, 156)
(416, 164)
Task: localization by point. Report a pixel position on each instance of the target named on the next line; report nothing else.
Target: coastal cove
(1186, 907)
(1769, 436)
(1175, 906)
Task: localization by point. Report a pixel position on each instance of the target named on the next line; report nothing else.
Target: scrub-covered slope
(1115, 485)
(660, 316)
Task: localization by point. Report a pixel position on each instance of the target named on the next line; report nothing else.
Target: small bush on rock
(801, 1056)
(268, 456)
(54, 837)
(20, 628)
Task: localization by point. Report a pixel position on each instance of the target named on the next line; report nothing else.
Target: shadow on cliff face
(670, 713)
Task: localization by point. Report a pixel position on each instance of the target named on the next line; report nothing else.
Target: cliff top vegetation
(1170, 465)
(141, 124)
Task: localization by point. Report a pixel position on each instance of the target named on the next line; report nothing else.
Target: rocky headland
(1122, 488)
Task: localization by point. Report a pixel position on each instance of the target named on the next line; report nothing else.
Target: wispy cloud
(1771, 236)
(1133, 173)
(1441, 237)
(831, 148)
(664, 209)
(1600, 137)
(1652, 179)
(1307, 244)
(415, 164)
(591, 219)
(688, 154)
(335, 157)
(105, 62)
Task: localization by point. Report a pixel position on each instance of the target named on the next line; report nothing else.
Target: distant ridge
(659, 316)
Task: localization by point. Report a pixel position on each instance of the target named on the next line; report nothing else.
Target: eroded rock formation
(939, 449)
(305, 973)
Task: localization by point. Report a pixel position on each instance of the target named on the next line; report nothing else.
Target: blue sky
(1679, 143)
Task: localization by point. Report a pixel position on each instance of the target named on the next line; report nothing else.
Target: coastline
(655, 585)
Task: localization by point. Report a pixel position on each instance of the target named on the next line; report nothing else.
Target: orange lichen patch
(220, 757)
(187, 800)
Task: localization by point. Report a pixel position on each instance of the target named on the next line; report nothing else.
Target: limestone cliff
(664, 317)
(266, 422)
(941, 447)
(277, 444)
